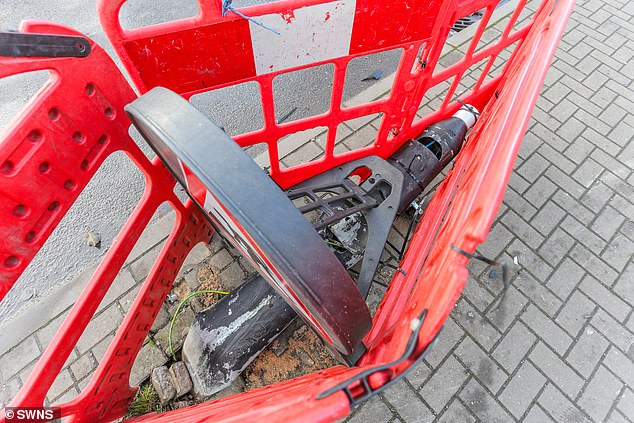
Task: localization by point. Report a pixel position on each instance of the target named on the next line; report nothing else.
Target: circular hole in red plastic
(45, 167)
(20, 210)
(53, 206)
(11, 262)
(30, 236)
(103, 139)
(53, 113)
(7, 167)
(90, 89)
(70, 185)
(78, 137)
(35, 135)
(84, 165)
(109, 112)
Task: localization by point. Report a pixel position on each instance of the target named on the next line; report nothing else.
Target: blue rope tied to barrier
(226, 7)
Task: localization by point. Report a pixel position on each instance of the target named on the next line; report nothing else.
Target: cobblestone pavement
(561, 346)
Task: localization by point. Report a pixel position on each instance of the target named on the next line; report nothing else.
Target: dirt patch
(296, 352)
(208, 278)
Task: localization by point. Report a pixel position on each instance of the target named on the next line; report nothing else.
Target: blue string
(226, 7)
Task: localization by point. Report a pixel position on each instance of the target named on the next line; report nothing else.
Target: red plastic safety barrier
(86, 96)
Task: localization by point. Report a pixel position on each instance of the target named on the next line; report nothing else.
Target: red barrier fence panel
(208, 52)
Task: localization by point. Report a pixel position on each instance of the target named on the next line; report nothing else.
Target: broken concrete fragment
(93, 239)
(180, 378)
(162, 383)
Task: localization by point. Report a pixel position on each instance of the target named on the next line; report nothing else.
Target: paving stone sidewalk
(560, 348)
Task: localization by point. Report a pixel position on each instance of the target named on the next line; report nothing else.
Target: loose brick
(121, 284)
(477, 294)
(179, 331)
(232, 276)
(361, 138)
(611, 163)
(100, 349)
(530, 144)
(163, 385)
(180, 378)
(143, 265)
(564, 110)
(620, 201)
(518, 183)
(148, 359)
(308, 152)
